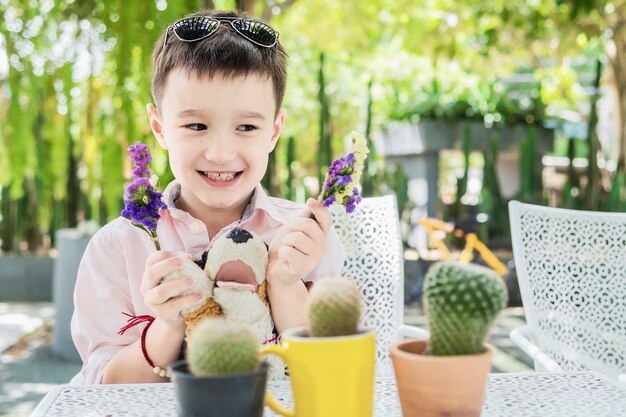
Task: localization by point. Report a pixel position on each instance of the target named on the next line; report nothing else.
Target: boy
(218, 84)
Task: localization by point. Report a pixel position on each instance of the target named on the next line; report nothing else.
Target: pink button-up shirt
(110, 272)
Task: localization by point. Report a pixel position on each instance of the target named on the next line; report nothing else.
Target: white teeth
(225, 176)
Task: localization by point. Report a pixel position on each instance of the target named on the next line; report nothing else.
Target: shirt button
(195, 226)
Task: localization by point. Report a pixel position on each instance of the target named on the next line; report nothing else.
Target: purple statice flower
(141, 200)
(140, 156)
(338, 178)
(330, 200)
(352, 200)
(344, 175)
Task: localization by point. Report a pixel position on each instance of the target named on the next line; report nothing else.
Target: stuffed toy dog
(236, 266)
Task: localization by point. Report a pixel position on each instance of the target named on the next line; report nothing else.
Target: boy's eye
(246, 128)
(196, 126)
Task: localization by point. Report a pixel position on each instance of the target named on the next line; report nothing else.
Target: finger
(163, 292)
(303, 243)
(175, 305)
(157, 271)
(307, 226)
(322, 215)
(158, 256)
(162, 255)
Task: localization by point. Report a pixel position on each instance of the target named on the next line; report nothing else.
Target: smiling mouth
(220, 176)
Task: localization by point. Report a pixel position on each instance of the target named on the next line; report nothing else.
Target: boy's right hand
(163, 298)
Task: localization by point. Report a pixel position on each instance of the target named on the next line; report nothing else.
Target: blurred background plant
(74, 81)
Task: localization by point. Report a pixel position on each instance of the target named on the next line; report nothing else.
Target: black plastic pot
(240, 395)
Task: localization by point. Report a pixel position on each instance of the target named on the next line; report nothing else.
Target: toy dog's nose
(238, 235)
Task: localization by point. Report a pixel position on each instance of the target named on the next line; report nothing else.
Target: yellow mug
(330, 376)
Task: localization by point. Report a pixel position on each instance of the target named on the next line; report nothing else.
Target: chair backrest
(374, 259)
(571, 267)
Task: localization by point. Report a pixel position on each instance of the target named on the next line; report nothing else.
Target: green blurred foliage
(74, 81)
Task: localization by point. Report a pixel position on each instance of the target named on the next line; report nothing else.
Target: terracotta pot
(435, 386)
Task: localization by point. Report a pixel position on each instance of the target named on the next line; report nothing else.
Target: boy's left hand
(299, 245)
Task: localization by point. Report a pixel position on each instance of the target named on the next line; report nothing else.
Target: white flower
(359, 146)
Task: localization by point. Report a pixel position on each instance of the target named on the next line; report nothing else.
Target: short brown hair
(224, 53)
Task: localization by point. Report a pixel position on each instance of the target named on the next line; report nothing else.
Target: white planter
(70, 245)
(25, 278)
(427, 136)
(416, 147)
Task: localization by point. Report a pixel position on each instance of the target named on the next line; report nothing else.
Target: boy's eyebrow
(246, 115)
(252, 115)
(187, 113)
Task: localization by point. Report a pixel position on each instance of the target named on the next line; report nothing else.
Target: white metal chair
(374, 259)
(571, 268)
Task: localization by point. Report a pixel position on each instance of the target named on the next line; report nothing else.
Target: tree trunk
(72, 185)
(7, 227)
(246, 6)
(617, 60)
(325, 151)
(593, 172)
(31, 224)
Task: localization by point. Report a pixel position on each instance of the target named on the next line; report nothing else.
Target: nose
(238, 235)
(220, 149)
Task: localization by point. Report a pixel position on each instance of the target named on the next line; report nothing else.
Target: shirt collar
(259, 201)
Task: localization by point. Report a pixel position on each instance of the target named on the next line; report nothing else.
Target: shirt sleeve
(331, 264)
(101, 294)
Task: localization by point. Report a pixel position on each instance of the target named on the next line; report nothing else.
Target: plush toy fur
(239, 294)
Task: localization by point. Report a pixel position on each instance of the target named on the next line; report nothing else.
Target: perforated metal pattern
(371, 238)
(571, 266)
(508, 395)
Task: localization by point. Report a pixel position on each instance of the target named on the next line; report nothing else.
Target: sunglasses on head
(192, 29)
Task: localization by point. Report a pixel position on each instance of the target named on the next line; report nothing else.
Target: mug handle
(271, 402)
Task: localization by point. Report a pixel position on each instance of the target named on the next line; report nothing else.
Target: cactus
(221, 347)
(461, 301)
(334, 308)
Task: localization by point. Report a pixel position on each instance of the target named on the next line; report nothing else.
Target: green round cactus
(221, 347)
(462, 302)
(334, 308)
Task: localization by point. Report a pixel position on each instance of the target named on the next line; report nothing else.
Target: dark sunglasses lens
(194, 28)
(256, 31)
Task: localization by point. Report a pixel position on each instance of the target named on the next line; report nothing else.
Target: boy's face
(218, 133)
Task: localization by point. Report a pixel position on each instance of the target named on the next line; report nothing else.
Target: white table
(581, 394)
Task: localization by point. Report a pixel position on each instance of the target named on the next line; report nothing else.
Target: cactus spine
(220, 347)
(462, 302)
(334, 308)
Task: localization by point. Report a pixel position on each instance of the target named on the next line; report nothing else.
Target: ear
(156, 125)
(278, 128)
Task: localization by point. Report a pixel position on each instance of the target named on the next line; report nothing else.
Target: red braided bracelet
(135, 320)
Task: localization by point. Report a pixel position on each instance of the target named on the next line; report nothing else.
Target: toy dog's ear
(202, 261)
